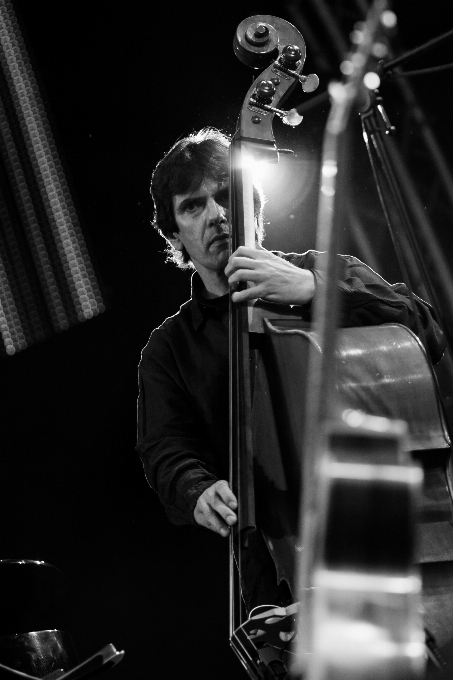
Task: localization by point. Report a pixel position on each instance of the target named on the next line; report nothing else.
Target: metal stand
(414, 228)
(390, 65)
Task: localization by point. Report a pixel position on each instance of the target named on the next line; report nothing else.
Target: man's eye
(192, 207)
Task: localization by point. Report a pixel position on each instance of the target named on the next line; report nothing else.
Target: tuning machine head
(290, 57)
(289, 61)
(265, 90)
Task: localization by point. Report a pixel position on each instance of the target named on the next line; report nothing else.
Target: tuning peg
(309, 83)
(291, 117)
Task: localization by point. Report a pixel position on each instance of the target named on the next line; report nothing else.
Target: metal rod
(440, 282)
(418, 72)
(409, 261)
(417, 50)
(431, 144)
(330, 23)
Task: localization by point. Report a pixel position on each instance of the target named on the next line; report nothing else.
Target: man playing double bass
(183, 372)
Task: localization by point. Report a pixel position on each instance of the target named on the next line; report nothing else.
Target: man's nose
(216, 212)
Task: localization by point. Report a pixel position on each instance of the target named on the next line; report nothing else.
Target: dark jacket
(183, 378)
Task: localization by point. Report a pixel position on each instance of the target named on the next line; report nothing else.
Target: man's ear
(175, 241)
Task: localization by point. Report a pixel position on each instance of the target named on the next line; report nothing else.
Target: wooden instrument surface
(381, 371)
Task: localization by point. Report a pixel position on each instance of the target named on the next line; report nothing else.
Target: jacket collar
(202, 307)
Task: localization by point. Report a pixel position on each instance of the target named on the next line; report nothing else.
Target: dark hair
(201, 155)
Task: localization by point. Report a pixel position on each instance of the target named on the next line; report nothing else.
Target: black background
(121, 82)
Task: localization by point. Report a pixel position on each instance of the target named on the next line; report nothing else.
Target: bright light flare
(329, 169)
(356, 37)
(346, 67)
(261, 170)
(286, 185)
(389, 19)
(371, 80)
(380, 50)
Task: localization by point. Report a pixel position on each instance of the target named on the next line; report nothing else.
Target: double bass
(350, 451)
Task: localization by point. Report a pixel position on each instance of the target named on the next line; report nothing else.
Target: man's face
(202, 219)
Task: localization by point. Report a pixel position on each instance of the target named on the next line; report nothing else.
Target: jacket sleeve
(170, 441)
(367, 299)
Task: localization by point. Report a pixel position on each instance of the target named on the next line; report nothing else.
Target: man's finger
(208, 518)
(225, 493)
(225, 502)
(215, 523)
(214, 508)
(223, 489)
(244, 251)
(239, 263)
(252, 293)
(224, 511)
(245, 275)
